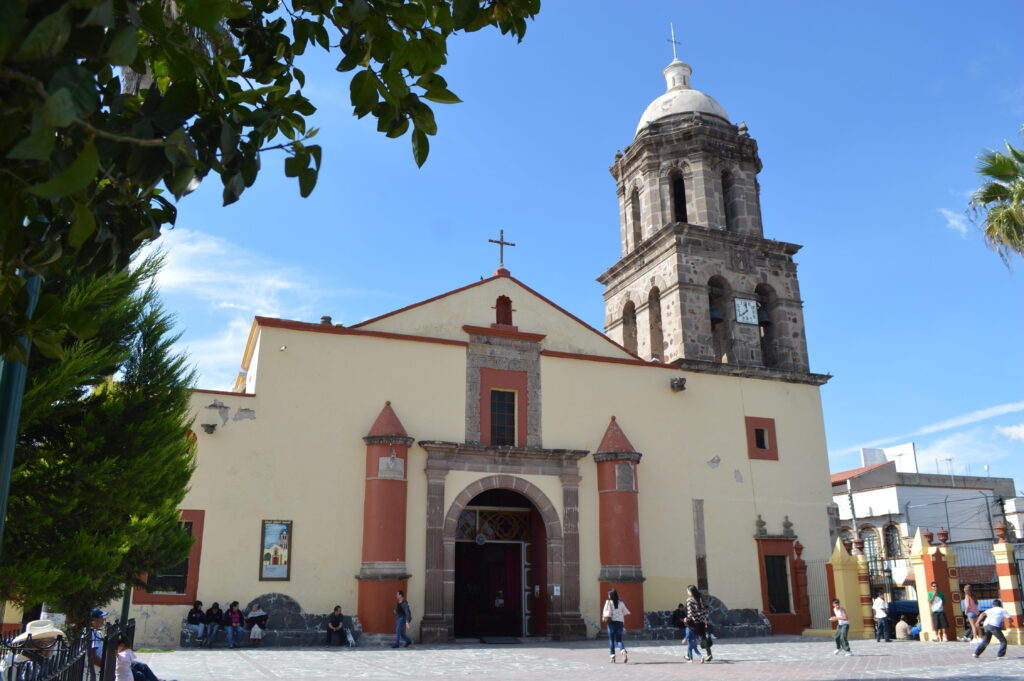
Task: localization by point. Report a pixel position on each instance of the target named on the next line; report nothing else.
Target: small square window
(761, 439)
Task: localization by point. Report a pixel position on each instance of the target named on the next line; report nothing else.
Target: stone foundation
(287, 625)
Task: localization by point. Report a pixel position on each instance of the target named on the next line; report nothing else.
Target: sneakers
(395, 646)
(849, 654)
(408, 643)
(836, 651)
(625, 656)
(974, 655)
(612, 660)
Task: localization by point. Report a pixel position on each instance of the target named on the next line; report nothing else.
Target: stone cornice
(617, 456)
(511, 454)
(664, 239)
(388, 440)
(737, 371)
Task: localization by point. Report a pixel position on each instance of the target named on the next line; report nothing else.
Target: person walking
(614, 617)
(691, 639)
(881, 609)
(214, 620)
(842, 634)
(994, 618)
(697, 621)
(971, 612)
(403, 617)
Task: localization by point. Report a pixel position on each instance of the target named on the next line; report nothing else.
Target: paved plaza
(782, 658)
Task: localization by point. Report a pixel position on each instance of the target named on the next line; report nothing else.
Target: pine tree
(103, 458)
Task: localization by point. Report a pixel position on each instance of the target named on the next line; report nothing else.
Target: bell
(716, 314)
(763, 318)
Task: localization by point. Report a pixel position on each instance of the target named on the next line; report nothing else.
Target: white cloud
(947, 424)
(955, 221)
(1013, 432)
(959, 452)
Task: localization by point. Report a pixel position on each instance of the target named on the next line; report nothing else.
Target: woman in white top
(614, 617)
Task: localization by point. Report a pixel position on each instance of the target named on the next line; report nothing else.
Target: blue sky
(869, 118)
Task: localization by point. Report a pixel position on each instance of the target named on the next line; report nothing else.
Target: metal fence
(977, 566)
(61, 658)
(817, 594)
(889, 576)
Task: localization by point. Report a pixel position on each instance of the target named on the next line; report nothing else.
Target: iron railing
(64, 658)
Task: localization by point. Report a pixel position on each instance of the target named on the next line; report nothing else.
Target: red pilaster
(383, 569)
(619, 522)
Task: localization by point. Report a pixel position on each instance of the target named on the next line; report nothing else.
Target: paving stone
(786, 658)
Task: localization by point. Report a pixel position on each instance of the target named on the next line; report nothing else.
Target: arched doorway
(500, 570)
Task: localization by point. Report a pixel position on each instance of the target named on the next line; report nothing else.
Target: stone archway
(562, 563)
(554, 543)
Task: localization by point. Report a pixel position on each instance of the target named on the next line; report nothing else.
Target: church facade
(505, 464)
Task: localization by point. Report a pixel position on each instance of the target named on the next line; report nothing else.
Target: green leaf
(59, 109)
(101, 14)
(12, 23)
(37, 146)
(49, 344)
(360, 10)
(47, 310)
(80, 83)
(420, 147)
(307, 181)
(464, 12)
(441, 95)
(82, 227)
(363, 90)
(76, 176)
(48, 37)
(81, 323)
(123, 46)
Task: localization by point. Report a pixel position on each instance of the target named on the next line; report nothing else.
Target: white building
(885, 500)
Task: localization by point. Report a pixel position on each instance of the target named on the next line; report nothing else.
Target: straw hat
(38, 629)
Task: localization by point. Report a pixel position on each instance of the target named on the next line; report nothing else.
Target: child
(842, 635)
(691, 642)
(125, 657)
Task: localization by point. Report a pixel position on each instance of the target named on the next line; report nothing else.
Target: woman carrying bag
(614, 617)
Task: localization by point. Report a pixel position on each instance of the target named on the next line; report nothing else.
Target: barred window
(173, 580)
(503, 417)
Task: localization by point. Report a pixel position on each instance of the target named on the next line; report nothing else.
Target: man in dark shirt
(335, 625)
(403, 616)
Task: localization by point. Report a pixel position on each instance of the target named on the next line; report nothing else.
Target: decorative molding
(617, 456)
(388, 440)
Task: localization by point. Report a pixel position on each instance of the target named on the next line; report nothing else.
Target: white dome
(680, 98)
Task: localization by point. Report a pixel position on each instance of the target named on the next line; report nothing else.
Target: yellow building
(505, 464)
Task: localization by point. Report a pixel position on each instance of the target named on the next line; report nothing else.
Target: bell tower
(698, 284)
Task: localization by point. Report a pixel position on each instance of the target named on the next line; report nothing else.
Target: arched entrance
(500, 567)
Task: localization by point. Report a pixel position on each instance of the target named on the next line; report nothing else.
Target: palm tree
(1001, 199)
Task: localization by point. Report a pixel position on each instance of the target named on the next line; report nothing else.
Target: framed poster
(276, 550)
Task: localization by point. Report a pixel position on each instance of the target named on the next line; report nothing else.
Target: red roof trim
(222, 392)
(615, 439)
(273, 322)
(488, 280)
(843, 476)
(611, 360)
(504, 333)
(428, 300)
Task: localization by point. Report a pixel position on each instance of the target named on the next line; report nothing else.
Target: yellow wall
(302, 459)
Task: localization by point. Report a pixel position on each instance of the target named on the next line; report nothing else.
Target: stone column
(1009, 587)
(619, 522)
(935, 564)
(800, 598)
(437, 625)
(851, 589)
(570, 623)
(383, 570)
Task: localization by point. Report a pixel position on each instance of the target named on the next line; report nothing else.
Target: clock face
(746, 311)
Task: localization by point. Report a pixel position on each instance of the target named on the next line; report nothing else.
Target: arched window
(870, 538)
(893, 543)
(654, 319)
(678, 197)
(503, 310)
(845, 535)
(728, 201)
(766, 328)
(629, 327)
(718, 299)
(634, 212)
